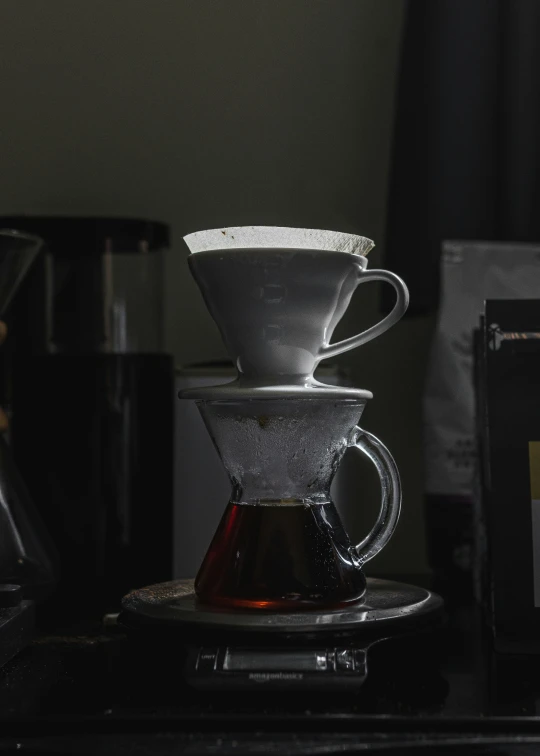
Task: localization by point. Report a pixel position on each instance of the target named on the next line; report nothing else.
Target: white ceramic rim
(279, 237)
(237, 391)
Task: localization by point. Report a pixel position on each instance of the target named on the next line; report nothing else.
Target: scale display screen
(294, 660)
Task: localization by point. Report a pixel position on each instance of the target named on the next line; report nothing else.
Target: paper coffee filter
(280, 237)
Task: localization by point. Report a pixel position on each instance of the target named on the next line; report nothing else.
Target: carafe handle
(331, 350)
(377, 452)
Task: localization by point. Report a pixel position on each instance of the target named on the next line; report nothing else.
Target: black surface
(88, 691)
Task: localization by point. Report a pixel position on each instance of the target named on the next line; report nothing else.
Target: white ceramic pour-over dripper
(277, 294)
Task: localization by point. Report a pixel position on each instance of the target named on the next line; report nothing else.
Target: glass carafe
(27, 556)
(281, 544)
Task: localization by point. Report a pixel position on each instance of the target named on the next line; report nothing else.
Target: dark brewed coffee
(280, 555)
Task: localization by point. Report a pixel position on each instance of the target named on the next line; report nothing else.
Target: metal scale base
(307, 650)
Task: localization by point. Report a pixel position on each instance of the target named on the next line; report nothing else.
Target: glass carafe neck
(281, 451)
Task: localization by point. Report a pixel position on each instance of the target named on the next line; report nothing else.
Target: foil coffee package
(507, 563)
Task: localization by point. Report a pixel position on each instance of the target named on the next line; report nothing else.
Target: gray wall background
(204, 113)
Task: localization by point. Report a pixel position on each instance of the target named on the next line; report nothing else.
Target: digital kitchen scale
(305, 650)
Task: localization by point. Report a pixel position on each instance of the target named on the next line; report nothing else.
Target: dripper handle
(388, 517)
(331, 350)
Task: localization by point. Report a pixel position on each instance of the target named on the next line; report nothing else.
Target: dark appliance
(90, 390)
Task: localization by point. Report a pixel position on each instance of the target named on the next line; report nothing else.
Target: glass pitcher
(281, 544)
(27, 556)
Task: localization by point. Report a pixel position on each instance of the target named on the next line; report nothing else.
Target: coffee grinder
(281, 596)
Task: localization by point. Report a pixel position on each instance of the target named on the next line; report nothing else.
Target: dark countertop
(89, 691)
